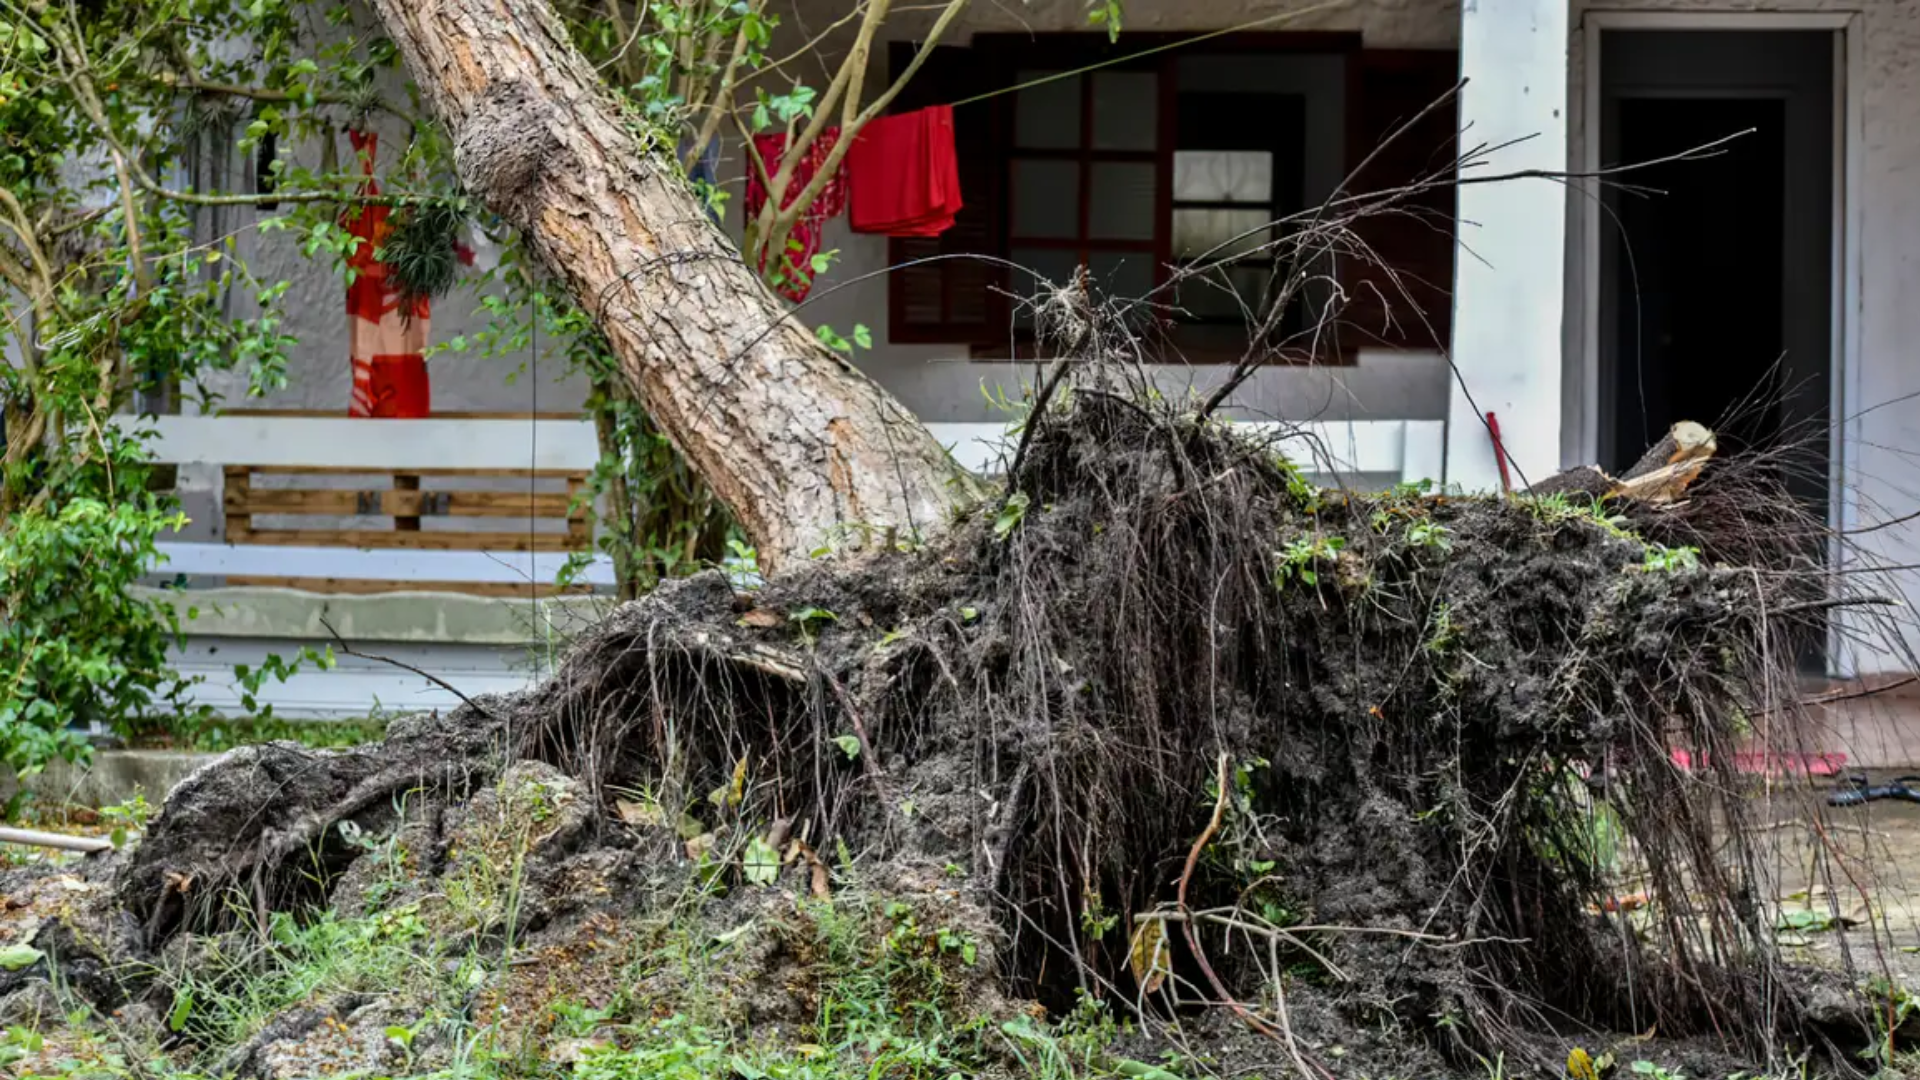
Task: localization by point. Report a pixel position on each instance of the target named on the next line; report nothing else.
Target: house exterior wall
(938, 382)
(1880, 392)
(318, 373)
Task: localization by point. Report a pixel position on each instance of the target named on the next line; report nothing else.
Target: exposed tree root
(1337, 739)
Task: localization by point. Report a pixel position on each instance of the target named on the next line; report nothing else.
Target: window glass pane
(1123, 275)
(1126, 110)
(1046, 198)
(1223, 176)
(1224, 294)
(1211, 234)
(1047, 116)
(1122, 200)
(1054, 267)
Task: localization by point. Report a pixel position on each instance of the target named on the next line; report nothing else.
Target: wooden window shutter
(952, 301)
(1404, 299)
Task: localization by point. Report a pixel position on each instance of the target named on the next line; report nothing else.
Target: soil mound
(1311, 773)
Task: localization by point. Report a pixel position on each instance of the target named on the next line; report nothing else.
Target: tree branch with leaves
(109, 285)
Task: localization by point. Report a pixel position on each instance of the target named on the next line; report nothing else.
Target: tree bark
(792, 436)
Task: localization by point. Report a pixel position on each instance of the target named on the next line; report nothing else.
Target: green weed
(1661, 559)
(1301, 558)
(1561, 508)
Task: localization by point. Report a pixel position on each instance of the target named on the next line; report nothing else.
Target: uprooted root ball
(1188, 729)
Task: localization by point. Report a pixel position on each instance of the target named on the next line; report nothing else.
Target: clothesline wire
(1281, 16)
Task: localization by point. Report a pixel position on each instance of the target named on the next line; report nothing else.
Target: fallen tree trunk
(791, 436)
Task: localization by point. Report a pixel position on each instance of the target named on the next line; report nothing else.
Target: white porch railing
(456, 637)
(381, 446)
(1405, 449)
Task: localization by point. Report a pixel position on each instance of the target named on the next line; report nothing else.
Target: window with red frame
(1141, 166)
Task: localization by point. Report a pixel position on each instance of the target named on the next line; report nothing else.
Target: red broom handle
(1500, 454)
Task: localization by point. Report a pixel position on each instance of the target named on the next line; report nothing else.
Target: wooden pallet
(408, 498)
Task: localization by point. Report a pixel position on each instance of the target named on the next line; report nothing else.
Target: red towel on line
(398, 386)
(905, 174)
(378, 328)
(804, 241)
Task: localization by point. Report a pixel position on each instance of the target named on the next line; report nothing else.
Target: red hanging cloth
(905, 174)
(387, 344)
(803, 243)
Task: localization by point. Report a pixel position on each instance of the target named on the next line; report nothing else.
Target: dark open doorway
(1699, 322)
(1717, 274)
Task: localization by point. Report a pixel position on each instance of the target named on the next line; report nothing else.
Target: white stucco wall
(319, 374)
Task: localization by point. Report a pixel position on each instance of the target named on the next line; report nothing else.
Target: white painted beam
(376, 445)
(382, 564)
(355, 687)
(1509, 277)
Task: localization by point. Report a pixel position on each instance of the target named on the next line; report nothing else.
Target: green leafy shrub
(77, 645)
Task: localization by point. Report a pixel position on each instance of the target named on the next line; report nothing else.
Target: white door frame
(1847, 133)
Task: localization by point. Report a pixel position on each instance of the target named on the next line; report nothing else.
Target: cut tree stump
(1660, 476)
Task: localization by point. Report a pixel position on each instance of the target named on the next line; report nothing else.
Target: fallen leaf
(1150, 955)
(1808, 921)
(15, 957)
(762, 619)
(798, 849)
(761, 863)
(640, 815)
(737, 791)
